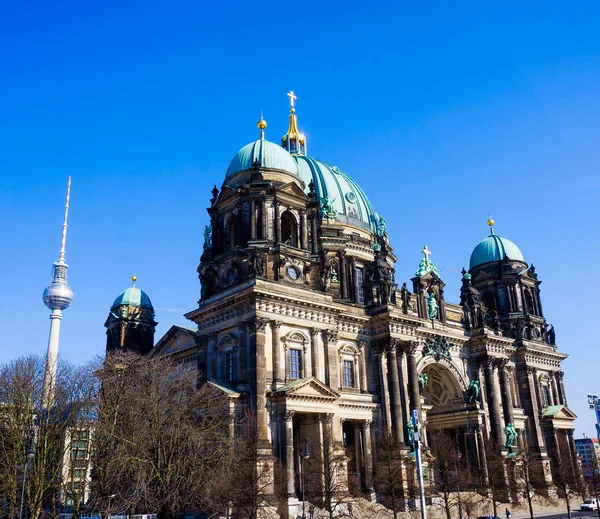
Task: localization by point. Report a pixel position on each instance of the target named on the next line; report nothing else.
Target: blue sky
(442, 112)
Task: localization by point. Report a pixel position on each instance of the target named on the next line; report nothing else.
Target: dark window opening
(289, 230)
(229, 366)
(233, 232)
(489, 301)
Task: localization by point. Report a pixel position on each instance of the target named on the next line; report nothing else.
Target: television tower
(57, 296)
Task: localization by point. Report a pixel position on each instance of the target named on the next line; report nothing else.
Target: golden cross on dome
(427, 252)
(292, 98)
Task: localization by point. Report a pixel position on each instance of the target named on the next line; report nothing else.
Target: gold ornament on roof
(262, 124)
(133, 280)
(491, 222)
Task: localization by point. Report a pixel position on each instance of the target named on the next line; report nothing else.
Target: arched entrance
(452, 425)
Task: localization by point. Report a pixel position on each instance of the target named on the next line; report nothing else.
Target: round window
(228, 277)
(293, 273)
(351, 197)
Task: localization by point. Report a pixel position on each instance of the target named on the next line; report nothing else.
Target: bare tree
(160, 443)
(529, 477)
(389, 474)
(446, 468)
(592, 480)
(28, 425)
(254, 490)
(567, 476)
(497, 481)
(328, 482)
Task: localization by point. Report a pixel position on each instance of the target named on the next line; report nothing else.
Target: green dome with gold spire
(494, 248)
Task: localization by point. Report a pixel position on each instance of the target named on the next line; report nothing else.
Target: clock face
(293, 273)
(228, 277)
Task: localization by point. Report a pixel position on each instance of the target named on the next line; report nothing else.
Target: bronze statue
(511, 436)
(473, 391)
(423, 379)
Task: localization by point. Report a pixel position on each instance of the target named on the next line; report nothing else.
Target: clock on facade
(293, 273)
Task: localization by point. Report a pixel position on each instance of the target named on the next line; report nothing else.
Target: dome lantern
(293, 141)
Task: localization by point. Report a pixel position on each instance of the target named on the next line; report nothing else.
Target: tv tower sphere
(58, 295)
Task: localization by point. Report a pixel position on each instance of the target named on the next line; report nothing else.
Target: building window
(545, 396)
(359, 288)
(348, 373)
(295, 364)
(229, 366)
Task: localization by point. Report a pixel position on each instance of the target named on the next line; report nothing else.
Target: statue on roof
(405, 296)
(381, 225)
(551, 336)
(207, 237)
(423, 379)
(327, 207)
(426, 265)
(432, 306)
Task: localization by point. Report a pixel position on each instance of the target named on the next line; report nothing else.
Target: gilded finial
(133, 280)
(293, 140)
(491, 222)
(292, 99)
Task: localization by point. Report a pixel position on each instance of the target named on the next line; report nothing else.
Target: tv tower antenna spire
(57, 296)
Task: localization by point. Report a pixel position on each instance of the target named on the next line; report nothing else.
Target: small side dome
(133, 296)
(267, 154)
(494, 248)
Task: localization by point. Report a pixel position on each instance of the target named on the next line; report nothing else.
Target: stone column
(413, 376)
(276, 347)
(394, 385)
(368, 455)
(481, 455)
(307, 360)
(242, 353)
(533, 413)
(492, 399)
(343, 278)
(201, 360)
(561, 387)
(506, 393)
(315, 333)
(362, 345)
(313, 223)
(259, 376)
(289, 452)
(354, 281)
(303, 230)
(331, 370)
(212, 356)
(263, 219)
(358, 458)
(277, 222)
(252, 220)
(554, 388)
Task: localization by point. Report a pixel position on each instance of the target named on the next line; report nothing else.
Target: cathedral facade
(302, 323)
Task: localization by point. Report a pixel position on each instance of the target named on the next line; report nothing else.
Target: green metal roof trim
(553, 410)
(494, 248)
(344, 194)
(133, 296)
(268, 154)
(292, 385)
(226, 390)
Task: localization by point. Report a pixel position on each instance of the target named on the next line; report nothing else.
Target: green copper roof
(267, 154)
(494, 248)
(553, 410)
(133, 296)
(343, 194)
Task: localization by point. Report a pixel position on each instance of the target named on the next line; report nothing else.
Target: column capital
(258, 324)
(560, 375)
(212, 336)
(411, 347)
(315, 332)
(531, 370)
(501, 364)
(331, 336)
(288, 415)
(367, 423)
(362, 345)
(276, 324)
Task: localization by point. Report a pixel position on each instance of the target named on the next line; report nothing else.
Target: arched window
(232, 232)
(289, 229)
(529, 302)
(489, 300)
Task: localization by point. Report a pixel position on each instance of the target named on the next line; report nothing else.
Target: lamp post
(305, 456)
(417, 439)
(28, 457)
(594, 402)
(458, 457)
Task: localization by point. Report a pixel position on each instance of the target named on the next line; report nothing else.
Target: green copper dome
(337, 189)
(494, 248)
(268, 155)
(133, 296)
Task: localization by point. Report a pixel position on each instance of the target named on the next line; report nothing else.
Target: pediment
(226, 194)
(559, 412)
(293, 188)
(175, 340)
(308, 388)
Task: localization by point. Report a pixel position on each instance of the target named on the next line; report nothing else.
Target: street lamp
(29, 453)
(458, 457)
(305, 456)
(594, 402)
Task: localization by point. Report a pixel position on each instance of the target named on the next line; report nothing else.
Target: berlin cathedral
(302, 322)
